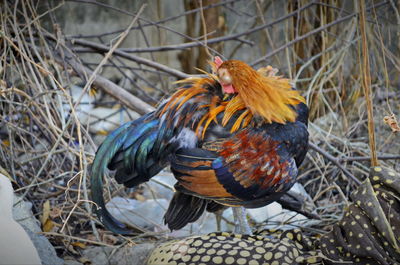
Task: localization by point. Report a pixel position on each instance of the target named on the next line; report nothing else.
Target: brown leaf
(392, 122)
(79, 245)
(46, 212)
(48, 225)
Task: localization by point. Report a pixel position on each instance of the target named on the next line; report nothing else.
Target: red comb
(218, 61)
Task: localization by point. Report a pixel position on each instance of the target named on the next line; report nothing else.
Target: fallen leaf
(46, 212)
(102, 132)
(392, 122)
(48, 226)
(79, 245)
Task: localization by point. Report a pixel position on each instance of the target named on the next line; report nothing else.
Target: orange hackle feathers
(270, 97)
(235, 104)
(184, 94)
(208, 118)
(259, 93)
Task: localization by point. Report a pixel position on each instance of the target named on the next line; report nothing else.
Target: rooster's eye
(226, 79)
(224, 76)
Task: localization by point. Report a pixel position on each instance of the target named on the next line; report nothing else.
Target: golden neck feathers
(255, 93)
(268, 96)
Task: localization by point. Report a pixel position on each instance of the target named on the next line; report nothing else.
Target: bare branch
(187, 45)
(140, 60)
(189, 12)
(336, 162)
(113, 90)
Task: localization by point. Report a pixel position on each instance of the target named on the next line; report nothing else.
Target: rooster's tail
(137, 151)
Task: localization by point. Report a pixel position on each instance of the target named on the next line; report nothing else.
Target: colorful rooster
(234, 138)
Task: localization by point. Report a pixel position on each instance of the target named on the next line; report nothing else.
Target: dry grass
(47, 150)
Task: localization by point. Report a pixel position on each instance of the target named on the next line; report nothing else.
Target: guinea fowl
(233, 138)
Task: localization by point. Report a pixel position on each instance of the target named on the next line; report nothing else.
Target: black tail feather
(213, 207)
(104, 154)
(129, 150)
(184, 209)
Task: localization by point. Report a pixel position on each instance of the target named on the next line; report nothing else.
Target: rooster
(233, 138)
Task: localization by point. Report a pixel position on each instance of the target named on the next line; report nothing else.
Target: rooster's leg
(218, 219)
(241, 224)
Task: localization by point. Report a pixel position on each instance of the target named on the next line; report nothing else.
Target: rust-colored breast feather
(244, 168)
(253, 159)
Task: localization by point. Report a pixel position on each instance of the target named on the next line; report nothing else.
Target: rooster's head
(269, 96)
